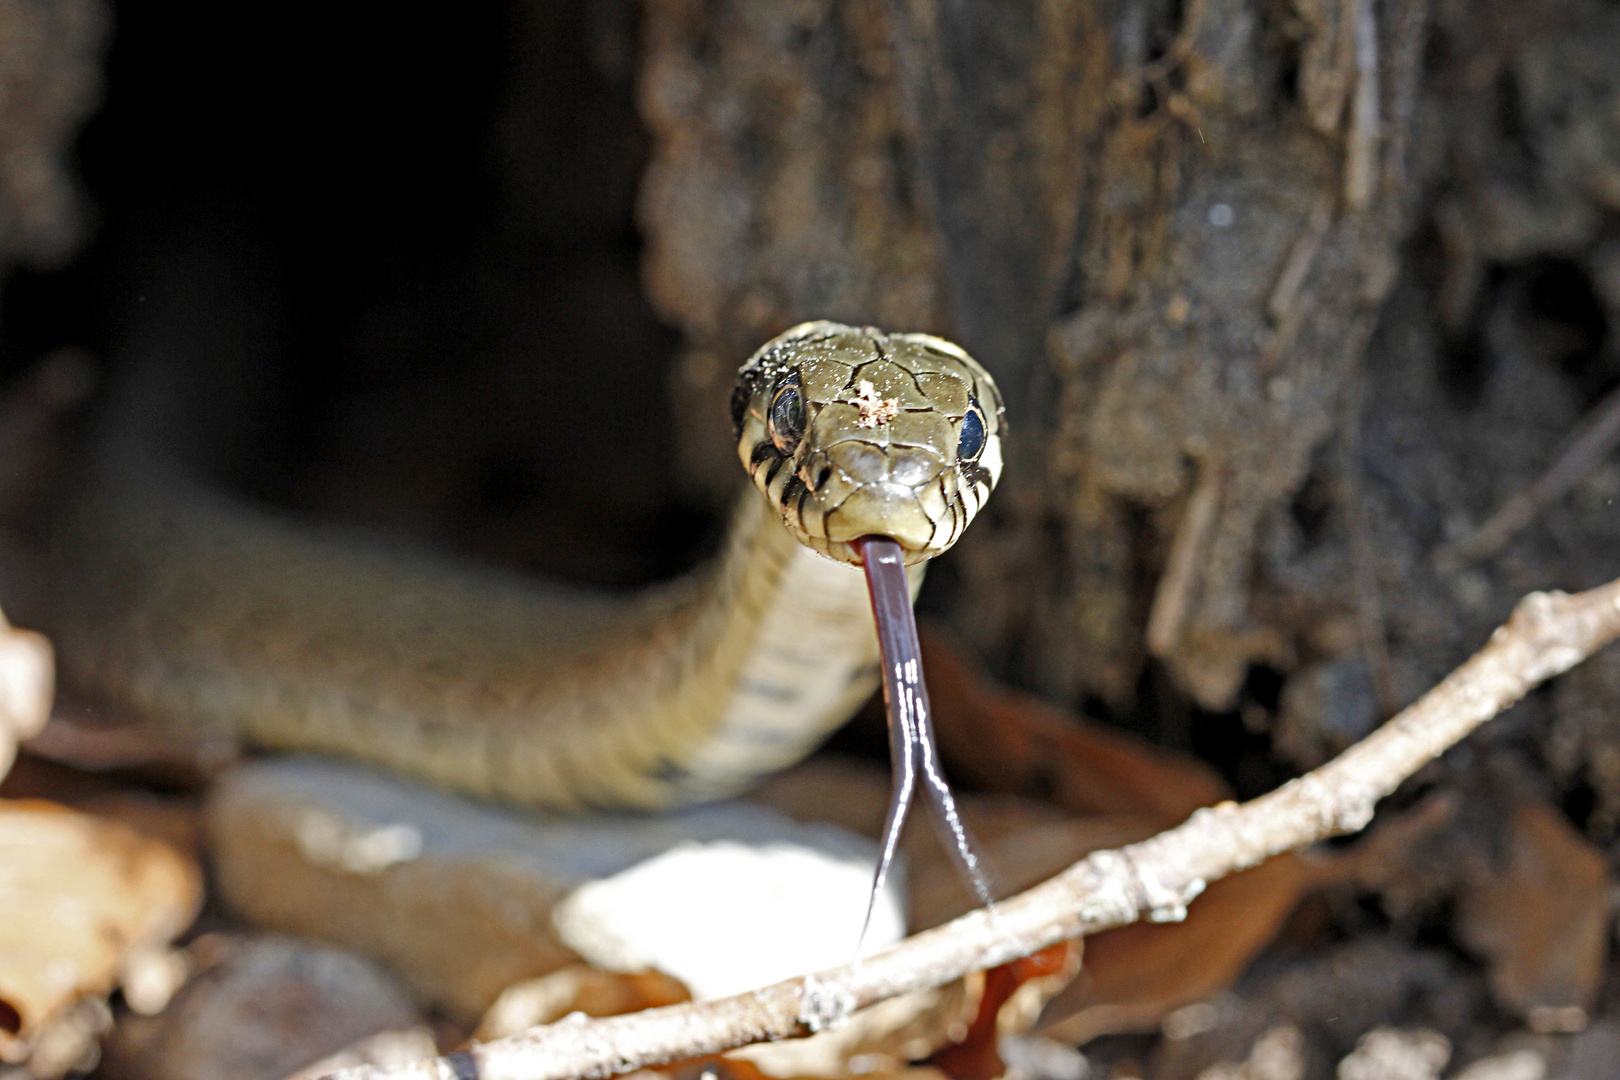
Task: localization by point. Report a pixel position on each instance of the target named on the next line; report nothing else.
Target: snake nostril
(823, 477)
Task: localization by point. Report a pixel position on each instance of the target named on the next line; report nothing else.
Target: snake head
(853, 432)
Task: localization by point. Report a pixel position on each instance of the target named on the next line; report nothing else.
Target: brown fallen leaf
(1540, 917)
(1132, 976)
(726, 1067)
(1013, 997)
(1001, 740)
(1023, 841)
(79, 894)
(1136, 975)
(1123, 790)
(1532, 894)
(1412, 858)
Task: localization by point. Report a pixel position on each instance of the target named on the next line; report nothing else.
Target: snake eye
(787, 415)
(970, 444)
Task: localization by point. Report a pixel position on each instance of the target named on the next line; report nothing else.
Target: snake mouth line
(922, 519)
(875, 540)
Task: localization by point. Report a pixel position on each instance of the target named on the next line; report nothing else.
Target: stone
(259, 1008)
(458, 896)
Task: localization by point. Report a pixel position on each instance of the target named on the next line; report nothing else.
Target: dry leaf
(1540, 918)
(726, 1067)
(1005, 741)
(174, 819)
(1010, 742)
(1013, 997)
(1532, 893)
(80, 895)
(1023, 842)
(1135, 975)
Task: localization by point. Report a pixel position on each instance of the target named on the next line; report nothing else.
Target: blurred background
(1287, 298)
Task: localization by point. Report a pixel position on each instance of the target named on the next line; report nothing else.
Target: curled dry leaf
(577, 988)
(27, 678)
(80, 895)
(1013, 997)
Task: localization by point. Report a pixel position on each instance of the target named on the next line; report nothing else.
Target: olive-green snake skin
(174, 603)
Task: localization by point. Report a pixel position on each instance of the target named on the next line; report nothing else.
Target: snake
(175, 602)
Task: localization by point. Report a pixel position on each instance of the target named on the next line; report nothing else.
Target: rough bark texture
(50, 80)
(1099, 202)
(1170, 230)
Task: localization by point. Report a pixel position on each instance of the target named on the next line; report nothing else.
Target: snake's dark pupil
(787, 417)
(971, 442)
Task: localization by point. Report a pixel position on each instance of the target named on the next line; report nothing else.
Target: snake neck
(179, 605)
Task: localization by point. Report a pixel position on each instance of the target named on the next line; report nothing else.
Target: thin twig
(1408, 27)
(1282, 338)
(1285, 294)
(1361, 142)
(1595, 440)
(1174, 595)
(1547, 634)
(1364, 559)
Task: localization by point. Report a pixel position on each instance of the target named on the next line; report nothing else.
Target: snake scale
(178, 604)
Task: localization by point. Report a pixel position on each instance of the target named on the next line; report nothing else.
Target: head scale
(852, 432)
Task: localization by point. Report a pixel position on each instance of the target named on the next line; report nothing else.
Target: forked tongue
(912, 749)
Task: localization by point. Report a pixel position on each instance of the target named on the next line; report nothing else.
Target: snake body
(178, 604)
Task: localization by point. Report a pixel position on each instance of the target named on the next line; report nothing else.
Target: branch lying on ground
(1547, 634)
(1594, 441)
